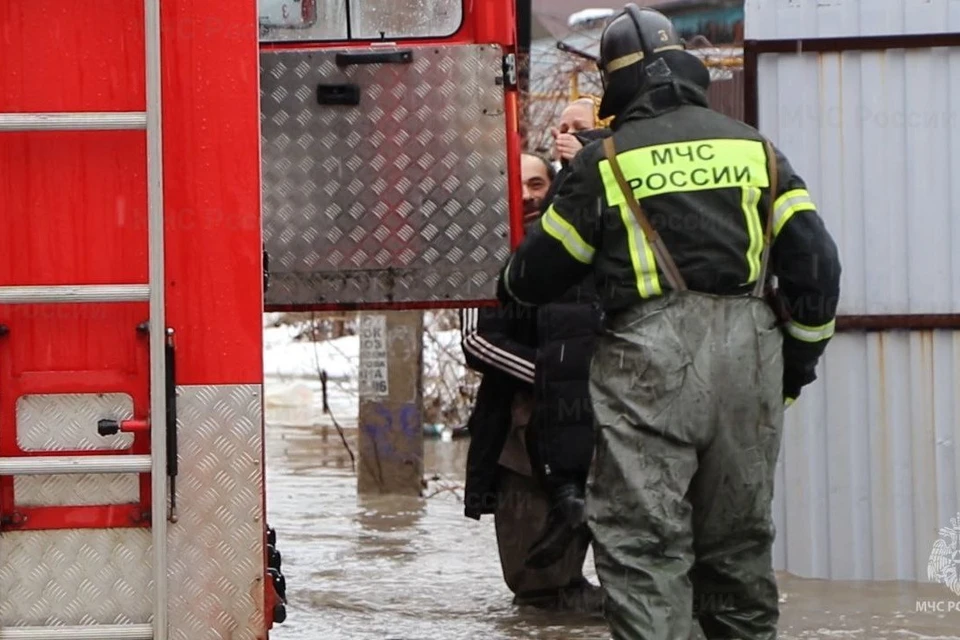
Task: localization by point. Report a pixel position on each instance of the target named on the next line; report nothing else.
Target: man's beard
(531, 210)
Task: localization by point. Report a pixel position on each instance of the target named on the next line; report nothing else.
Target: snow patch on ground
(292, 389)
(285, 358)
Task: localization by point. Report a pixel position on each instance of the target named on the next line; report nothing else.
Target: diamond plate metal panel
(215, 549)
(79, 490)
(61, 422)
(74, 577)
(69, 421)
(402, 198)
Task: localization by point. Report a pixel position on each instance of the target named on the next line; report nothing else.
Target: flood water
(416, 569)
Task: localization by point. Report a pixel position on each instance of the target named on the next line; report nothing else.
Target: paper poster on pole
(373, 370)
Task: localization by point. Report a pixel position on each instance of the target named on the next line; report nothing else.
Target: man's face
(536, 183)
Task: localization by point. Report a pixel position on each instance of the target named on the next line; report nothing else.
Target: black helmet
(629, 40)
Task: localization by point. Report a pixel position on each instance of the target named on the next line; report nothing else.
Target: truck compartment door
(384, 165)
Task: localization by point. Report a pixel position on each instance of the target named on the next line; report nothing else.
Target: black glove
(794, 380)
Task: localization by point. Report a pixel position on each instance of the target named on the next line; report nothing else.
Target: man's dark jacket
(498, 343)
(545, 350)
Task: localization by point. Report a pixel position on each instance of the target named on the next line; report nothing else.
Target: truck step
(63, 465)
(75, 293)
(93, 632)
(90, 121)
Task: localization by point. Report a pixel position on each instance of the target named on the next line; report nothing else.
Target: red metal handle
(109, 427)
(134, 426)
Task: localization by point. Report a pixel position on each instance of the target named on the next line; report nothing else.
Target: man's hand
(565, 145)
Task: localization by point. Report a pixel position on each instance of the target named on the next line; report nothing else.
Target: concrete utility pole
(391, 403)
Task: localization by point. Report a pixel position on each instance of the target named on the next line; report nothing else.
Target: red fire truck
(159, 163)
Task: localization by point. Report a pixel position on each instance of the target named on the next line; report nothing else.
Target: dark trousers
(519, 519)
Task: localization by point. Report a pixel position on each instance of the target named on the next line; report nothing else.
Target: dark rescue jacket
(702, 180)
(560, 440)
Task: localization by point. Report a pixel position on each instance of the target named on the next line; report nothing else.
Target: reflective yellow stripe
(811, 334)
(633, 58)
(788, 402)
(669, 47)
(697, 165)
(750, 198)
(624, 61)
(561, 230)
(791, 202)
(641, 255)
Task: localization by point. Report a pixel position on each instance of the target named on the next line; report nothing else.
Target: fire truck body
(138, 246)
(132, 494)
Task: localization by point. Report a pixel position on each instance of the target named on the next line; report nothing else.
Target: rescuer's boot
(566, 523)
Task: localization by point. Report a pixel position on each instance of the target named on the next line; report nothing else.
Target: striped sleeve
(489, 344)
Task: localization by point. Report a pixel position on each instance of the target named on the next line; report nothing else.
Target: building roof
(550, 16)
(553, 14)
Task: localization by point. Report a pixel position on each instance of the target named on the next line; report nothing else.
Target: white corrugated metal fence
(870, 467)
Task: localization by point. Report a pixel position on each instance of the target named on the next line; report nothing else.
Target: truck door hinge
(509, 79)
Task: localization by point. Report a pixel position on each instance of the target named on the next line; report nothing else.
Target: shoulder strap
(664, 259)
(773, 174)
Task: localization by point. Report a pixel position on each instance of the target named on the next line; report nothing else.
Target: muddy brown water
(416, 569)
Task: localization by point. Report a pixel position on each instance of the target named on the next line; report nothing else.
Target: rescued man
(690, 379)
(500, 342)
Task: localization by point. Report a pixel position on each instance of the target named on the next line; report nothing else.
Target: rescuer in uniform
(690, 379)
